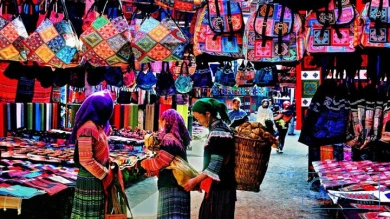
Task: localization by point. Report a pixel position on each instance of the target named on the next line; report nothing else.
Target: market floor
(284, 192)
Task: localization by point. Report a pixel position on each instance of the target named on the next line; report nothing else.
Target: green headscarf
(213, 106)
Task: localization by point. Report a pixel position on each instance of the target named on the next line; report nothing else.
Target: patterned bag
(218, 29)
(183, 83)
(331, 29)
(266, 76)
(159, 41)
(180, 5)
(273, 34)
(202, 76)
(374, 32)
(165, 85)
(13, 33)
(146, 80)
(54, 44)
(245, 74)
(107, 42)
(225, 75)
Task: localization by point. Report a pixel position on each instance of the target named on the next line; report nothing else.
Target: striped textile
(88, 201)
(219, 204)
(173, 202)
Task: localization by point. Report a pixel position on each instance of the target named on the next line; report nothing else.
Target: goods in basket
(254, 130)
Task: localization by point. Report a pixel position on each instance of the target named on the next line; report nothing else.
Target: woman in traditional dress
(92, 156)
(217, 178)
(173, 201)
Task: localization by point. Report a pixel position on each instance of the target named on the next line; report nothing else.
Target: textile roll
(134, 115)
(8, 127)
(149, 122)
(122, 116)
(55, 115)
(183, 111)
(49, 113)
(117, 112)
(37, 119)
(40, 94)
(43, 116)
(141, 96)
(126, 115)
(30, 111)
(18, 115)
(22, 115)
(141, 119)
(8, 88)
(2, 118)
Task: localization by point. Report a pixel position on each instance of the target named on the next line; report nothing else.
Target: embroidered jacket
(93, 149)
(218, 161)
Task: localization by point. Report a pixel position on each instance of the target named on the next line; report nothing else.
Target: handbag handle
(51, 7)
(119, 8)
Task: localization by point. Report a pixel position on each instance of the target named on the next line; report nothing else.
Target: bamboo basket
(251, 159)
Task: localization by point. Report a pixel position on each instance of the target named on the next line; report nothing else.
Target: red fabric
(54, 17)
(50, 188)
(117, 116)
(205, 185)
(127, 115)
(8, 86)
(41, 95)
(55, 116)
(2, 118)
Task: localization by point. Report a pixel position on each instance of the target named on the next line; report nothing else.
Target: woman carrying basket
(217, 178)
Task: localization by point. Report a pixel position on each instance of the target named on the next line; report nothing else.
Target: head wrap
(98, 108)
(174, 124)
(213, 106)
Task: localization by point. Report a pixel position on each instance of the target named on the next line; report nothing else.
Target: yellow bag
(182, 170)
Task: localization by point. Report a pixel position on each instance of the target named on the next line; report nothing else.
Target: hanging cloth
(134, 115)
(2, 118)
(183, 111)
(30, 113)
(55, 113)
(141, 119)
(49, 113)
(18, 115)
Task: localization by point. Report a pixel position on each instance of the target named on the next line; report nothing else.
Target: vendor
(237, 115)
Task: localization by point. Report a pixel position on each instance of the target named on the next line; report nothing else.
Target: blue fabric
(20, 191)
(237, 114)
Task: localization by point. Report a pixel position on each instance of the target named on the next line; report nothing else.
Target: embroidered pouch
(273, 34)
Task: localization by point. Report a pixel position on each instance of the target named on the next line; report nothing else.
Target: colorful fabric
(107, 41)
(41, 94)
(53, 44)
(183, 111)
(149, 123)
(50, 188)
(219, 204)
(274, 37)
(13, 33)
(332, 31)
(159, 41)
(373, 31)
(180, 5)
(93, 149)
(212, 39)
(175, 125)
(173, 202)
(20, 191)
(88, 202)
(162, 160)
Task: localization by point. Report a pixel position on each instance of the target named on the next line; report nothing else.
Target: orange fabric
(93, 149)
(162, 160)
(205, 185)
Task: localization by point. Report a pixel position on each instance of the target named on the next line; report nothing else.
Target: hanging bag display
(180, 5)
(183, 83)
(202, 76)
(273, 34)
(266, 76)
(331, 29)
(107, 41)
(165, 85)
(13, 33)
(218, 30)
(146, 80)
(54, 44)
(373, 31)
(245, 74)
(225, 75)
(159, 41)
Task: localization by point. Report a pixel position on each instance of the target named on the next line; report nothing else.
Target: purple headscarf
(97, 108)
(174, 124)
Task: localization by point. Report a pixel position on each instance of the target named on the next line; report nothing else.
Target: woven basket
(252, 158)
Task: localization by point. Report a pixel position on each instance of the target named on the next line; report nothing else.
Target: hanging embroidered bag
(375, 28)
(146, 80)
(331, 29)
(54, 44)
(245, 74)
(225, 75)
(182, 5)
(13, 33)
(266, 76)
(165, 85)
(183, 83)
(107, 41)
(273, 34)
(218, 29)
(159, 41)
(202, 76)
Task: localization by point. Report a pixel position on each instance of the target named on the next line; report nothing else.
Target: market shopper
(264, 113)
(92, 156)
(173, 200)
(217, 178)
(282, 119)
(237, 116)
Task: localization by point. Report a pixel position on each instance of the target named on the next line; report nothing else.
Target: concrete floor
(284, 193)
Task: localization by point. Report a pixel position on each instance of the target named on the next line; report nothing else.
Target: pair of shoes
(291, 134)
(280, 152)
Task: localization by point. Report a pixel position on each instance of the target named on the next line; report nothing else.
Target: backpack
(331, 29)
(273, 34)
(214, 34)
